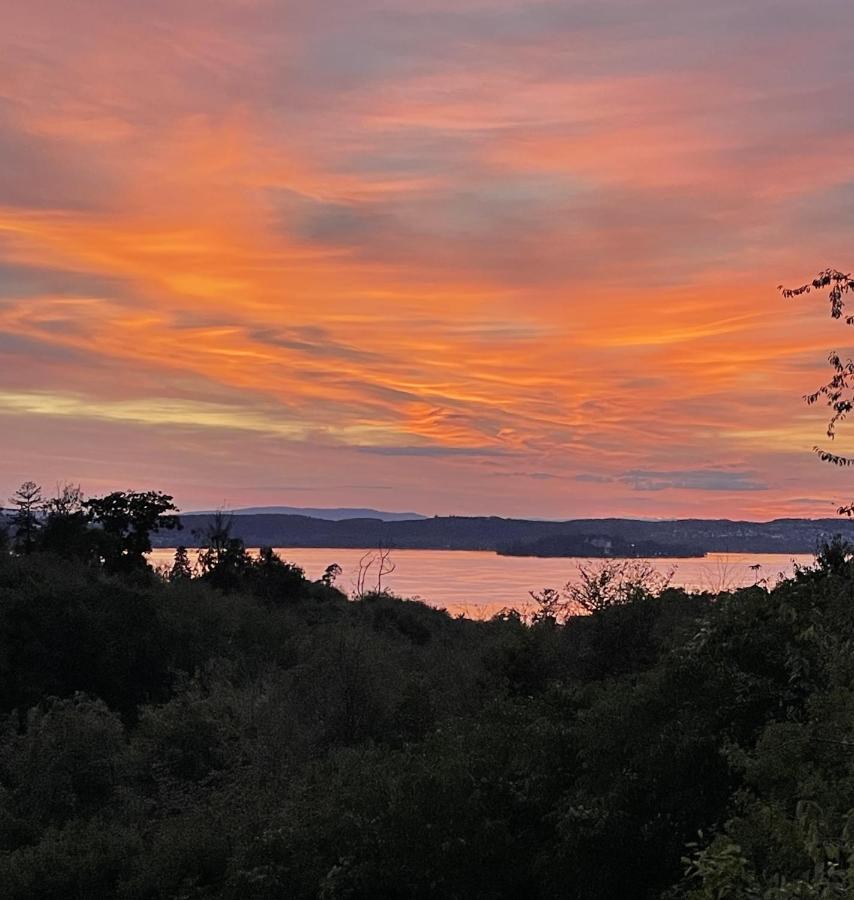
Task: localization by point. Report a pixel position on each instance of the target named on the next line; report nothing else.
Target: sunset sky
(456, 256)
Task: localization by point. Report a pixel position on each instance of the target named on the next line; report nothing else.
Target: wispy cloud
(694, 480)
(424, 246)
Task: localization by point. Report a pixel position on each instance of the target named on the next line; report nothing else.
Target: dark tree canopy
(65, 530)
(127, 520)
(234, 730)
(261, 737)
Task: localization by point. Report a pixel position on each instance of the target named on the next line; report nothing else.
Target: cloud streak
(421, 248)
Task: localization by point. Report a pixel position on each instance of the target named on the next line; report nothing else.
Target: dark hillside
(679, 537)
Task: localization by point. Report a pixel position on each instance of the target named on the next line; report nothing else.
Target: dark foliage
(252, 734)
(66, 527)
(126, 520)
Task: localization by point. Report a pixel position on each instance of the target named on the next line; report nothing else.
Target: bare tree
(365, 564)
(385, 566)
(378, 560)
(68, 501)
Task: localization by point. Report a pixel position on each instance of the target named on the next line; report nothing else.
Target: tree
(127, 520)
(838, 393)
(66, 530)
(610, 582)
(381, 558)
(223, 558)
(181, 570)
(68, 501)
(274, 581)
(551, 606)
(330, 573)
(28, 500)
(614, 582)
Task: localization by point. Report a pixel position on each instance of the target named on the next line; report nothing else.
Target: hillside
(521, 536)
(332, 514)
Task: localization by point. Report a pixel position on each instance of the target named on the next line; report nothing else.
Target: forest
(229, 729)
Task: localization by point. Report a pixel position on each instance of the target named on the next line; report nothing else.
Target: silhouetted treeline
(112, 532)
(229, 729)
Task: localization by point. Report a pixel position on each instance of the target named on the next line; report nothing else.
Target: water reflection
(479, 584)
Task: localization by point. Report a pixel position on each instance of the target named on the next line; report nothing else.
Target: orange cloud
(425, 252)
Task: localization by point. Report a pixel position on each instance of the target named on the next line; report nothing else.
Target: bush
(271, 739)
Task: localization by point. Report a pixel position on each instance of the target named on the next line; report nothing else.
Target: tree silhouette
(838, 393)
(381, 558)
(597, 587)
(28, 501)
(68, 501)
(223, 558)
(330, 573)
(127, 520)
(66, 530)
(272, 580)
(182, 569)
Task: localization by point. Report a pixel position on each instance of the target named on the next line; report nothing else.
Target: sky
(453, 256)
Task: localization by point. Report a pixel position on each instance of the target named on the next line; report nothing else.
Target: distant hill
(330, 515)
(523, 536)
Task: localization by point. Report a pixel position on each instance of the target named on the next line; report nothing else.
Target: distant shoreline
(281, 548)
(571, 539)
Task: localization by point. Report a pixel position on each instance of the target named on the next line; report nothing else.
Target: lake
(480, 583)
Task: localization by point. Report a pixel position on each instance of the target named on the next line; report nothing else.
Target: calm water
(480, 584)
